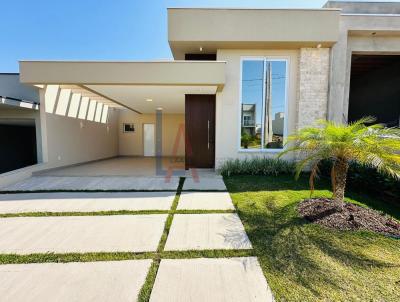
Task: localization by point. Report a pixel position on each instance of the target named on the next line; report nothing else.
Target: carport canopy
(140, 86)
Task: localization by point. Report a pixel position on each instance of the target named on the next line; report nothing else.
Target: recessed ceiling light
(149, 100)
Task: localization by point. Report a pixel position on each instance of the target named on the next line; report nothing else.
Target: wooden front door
(199, 131)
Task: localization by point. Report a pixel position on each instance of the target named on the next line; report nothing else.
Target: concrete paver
(85, 202)
(216, 280)
(205, 201)
(73, 282)
(91, 183)
(206, 231)
(80, 234)
(204, 184)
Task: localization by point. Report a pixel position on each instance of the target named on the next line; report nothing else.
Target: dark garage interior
(18, 145)
(375, 88)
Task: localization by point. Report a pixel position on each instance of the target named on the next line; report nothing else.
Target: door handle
(208, 134)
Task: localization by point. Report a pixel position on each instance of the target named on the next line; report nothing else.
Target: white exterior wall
(71, 140)
(131, 144)
(228, 102)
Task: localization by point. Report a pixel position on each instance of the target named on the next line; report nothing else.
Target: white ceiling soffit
(170, 98)
(92, 95)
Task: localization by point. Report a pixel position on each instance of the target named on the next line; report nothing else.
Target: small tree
(374, 146)
(246, 139)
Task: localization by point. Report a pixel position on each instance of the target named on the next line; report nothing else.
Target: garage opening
(375, 88)
(18, 149)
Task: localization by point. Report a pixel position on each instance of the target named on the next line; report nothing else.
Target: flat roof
(255, 8)
(190, 29)
(365, 7)
(12, 89)
(165, 73)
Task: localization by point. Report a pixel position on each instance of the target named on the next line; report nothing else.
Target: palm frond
(370, 145)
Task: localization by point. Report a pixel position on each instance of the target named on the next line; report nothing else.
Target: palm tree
(373, 146)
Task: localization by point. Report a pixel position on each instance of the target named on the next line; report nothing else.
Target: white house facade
(240, 82)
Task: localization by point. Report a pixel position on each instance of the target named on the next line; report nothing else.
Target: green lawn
(306, 262)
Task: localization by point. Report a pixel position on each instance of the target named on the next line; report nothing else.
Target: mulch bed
(353, 217)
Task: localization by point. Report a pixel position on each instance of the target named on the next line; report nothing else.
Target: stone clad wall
(313, 80)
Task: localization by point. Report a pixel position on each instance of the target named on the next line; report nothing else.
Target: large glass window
(263, 102)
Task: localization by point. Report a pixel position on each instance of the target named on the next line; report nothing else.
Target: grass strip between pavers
(145, 292)
(119, 256)
(110, 213)
(72, 257)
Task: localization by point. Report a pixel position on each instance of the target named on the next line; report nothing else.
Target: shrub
(256, 166)
(246, 139)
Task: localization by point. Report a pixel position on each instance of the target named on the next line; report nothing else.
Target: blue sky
(99, 29)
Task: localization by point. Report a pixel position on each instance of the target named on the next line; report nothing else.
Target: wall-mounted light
(319, 45)
(201, 48)
(159, 108)
(149, 100)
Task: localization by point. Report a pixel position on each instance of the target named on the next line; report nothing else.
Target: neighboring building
(278, 124)
(249, 119)
(364, 77)
(267, 72)
(19, 124)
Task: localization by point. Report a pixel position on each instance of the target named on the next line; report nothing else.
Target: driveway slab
(204, 184)
(93, 183)
(80, 234)
(216, 280)
(85, 202)
(206, 231)
(73, 282)
(205, 201)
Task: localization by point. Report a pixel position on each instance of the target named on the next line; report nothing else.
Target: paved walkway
(94, 183)
(25, 231)
(85, 202)
(73, 282)
(218, 279)
(81, 234)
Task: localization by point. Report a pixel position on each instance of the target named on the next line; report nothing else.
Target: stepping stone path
(207, 232)
(73, 282)
(216, 280)
(85, 202)
(202, 279)
(204, 184)
(205, 201)
(81, 234)
(93, 183)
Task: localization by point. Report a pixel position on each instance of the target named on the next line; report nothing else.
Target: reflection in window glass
(252, 103)
(275, 104)
(263, 104)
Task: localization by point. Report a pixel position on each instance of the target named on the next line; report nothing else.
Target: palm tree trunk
(341, 166)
